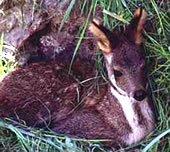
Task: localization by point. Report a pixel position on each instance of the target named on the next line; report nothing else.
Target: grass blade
(66, 15)
(118, 17)
(154, 141)
(82, 33)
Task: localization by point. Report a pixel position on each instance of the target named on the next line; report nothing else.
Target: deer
(122, 113)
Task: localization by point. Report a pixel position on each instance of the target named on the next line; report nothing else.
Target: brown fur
(43, 92)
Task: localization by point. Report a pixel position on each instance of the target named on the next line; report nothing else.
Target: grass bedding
(19, 137)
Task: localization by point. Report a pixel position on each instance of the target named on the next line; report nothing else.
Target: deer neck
(127, 104)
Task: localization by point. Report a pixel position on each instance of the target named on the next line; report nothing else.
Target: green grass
(29, 139)
(7, 60)
(17, 137)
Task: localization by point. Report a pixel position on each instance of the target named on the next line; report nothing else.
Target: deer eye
(117, 73)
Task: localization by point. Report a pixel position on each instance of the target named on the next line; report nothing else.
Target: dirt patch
(32, 29)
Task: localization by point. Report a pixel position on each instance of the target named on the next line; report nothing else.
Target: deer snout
(140, 95)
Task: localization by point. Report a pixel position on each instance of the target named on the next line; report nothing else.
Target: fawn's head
(123, 55)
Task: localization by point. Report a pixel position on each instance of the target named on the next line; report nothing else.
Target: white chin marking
(109, 58)
(126, 103)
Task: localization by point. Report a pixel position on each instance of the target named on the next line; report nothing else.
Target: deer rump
(42, 93)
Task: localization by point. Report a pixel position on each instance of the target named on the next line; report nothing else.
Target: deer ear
(136, 25)
(100, 32)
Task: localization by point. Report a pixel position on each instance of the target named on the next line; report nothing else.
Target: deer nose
(140, 95)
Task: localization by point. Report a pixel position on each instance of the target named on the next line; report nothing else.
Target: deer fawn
(122, 112)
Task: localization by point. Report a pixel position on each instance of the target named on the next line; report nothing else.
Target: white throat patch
(126, 103)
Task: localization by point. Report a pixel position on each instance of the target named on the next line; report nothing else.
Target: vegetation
(17, 137)
(7, 60)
